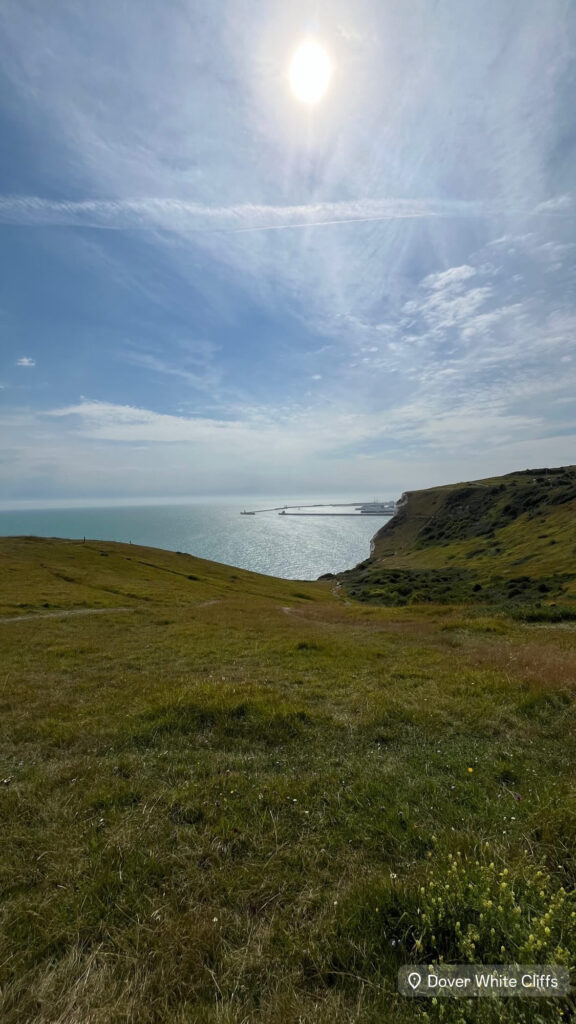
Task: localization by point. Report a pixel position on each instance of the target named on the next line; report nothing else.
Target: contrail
(185, 217)
(325, 223)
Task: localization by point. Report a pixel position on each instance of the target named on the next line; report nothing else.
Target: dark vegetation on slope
(479, 511)
(491, 542)
(414, 586)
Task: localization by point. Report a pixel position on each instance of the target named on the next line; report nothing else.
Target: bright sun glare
(310, 72)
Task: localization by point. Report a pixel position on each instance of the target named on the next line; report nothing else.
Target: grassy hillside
(231, 798)
(507, 542)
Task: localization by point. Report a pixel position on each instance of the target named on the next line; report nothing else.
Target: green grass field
(231, 798)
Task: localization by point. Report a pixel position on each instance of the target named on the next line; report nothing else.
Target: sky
(210, 287)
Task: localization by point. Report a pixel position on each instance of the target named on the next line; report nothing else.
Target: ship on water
(376, 508)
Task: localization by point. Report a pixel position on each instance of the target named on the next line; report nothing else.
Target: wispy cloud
(184, 217)
(194, 363)
(563, 204)
(452, 278)
(25, 361)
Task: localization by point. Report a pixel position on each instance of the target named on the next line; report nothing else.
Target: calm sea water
(293, 548)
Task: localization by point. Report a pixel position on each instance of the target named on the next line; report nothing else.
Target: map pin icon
(414, 980)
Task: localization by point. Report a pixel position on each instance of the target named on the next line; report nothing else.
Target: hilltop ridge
(508, 538)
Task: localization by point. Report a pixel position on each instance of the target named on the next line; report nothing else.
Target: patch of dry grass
(547, 665)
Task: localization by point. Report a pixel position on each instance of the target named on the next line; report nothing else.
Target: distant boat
(247, 513)
(375, 508)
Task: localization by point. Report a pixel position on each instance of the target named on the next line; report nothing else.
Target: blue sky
(211, 288)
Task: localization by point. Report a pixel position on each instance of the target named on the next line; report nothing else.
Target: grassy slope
(505, 541)
(237, 800)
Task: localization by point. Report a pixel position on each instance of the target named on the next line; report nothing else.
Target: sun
(310, 72)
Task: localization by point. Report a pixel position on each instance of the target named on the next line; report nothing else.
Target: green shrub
(481, 911)
(543, 613)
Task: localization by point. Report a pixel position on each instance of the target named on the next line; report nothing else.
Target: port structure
(371, 508)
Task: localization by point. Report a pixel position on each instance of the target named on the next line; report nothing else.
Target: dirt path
(66, 614)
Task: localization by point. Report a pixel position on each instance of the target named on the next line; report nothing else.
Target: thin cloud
(206, 378)
(182, 216)
(559, 204)
(25, 361)
(454, 277)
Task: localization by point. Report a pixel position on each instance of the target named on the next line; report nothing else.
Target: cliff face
(476, 535)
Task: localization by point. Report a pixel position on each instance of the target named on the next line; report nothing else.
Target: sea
(288, 546)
